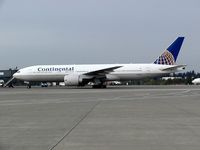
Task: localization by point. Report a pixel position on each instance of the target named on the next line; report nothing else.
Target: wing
(102, 71)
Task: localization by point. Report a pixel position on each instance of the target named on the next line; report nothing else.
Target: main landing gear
(28, 84)
(99, 83)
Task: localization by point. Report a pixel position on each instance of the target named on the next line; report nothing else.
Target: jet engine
(73, 79)
(76, 79)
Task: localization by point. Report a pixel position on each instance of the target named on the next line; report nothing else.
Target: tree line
(174, 79)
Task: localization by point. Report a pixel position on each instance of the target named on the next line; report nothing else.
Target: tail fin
(170, 55)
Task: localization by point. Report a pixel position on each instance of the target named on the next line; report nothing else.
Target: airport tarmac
(116, 118)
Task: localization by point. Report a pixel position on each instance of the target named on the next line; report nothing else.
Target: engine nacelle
(73, 79)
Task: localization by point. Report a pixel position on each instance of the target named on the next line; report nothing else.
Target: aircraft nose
(16, 75)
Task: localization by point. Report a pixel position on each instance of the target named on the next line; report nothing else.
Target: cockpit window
(18, 71)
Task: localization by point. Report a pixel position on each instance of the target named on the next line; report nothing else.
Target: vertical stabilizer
(170, 55)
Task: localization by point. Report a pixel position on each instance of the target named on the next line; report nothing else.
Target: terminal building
(6, 75)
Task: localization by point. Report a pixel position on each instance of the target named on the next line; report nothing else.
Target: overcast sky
(97, 31)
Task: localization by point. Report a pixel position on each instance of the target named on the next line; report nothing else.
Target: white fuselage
(46, 73)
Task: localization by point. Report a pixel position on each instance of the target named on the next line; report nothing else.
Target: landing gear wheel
(28, 86)
(11, 85)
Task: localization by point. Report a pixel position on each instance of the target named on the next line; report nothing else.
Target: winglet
(170, 55)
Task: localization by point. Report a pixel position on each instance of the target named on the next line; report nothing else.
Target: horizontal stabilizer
(177, 67)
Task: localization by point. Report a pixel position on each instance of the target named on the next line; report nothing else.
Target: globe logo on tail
(165, 59)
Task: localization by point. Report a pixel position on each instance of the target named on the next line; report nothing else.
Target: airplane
(196, 81)
(99, 74)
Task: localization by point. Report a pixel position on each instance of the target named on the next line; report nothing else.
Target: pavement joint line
(81, 119)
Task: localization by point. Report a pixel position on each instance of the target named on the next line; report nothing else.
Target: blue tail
(170, 55)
